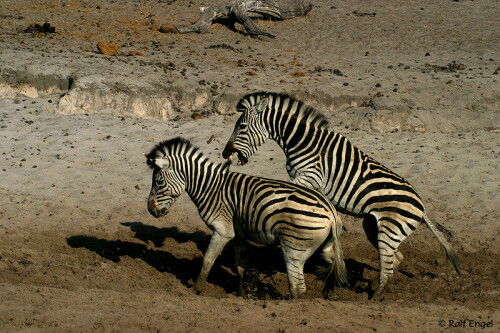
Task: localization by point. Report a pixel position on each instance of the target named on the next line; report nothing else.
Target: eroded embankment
(169, 100)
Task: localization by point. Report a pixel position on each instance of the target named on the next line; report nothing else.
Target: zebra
(325, 160)
(240, 207)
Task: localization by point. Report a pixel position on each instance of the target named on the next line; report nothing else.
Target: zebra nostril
(152, 208)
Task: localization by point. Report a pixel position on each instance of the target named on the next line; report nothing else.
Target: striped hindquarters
(269, 209)
(355, 183)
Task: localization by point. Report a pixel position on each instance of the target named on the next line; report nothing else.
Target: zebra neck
(287, 130)
(203, 180)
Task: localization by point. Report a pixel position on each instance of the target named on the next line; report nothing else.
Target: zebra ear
(161, 163)
(261, 105)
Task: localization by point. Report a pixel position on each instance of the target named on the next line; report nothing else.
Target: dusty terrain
(415, 84)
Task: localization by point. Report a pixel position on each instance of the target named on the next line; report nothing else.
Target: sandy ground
(418, 91)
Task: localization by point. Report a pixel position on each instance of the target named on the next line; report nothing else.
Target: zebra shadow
(157, 236)
(264, 261)
(162, 261)
(185, 270)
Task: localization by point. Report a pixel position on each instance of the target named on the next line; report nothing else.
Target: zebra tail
(450, 252)
(339, 270)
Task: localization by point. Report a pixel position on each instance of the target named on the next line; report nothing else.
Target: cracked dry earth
(414, 84)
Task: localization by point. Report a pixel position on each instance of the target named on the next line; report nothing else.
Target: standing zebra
(324, 160)
(239, 207)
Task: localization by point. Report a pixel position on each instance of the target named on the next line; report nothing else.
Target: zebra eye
(243, 126)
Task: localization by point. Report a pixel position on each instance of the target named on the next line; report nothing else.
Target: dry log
(242, 11)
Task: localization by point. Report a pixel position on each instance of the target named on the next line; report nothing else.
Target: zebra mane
(303, 111)
(177, 146)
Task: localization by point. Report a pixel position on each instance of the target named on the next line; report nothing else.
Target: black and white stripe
(242, 207)
(324, 160)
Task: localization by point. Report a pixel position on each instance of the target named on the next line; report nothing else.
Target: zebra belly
(289, 221)
(256, 236)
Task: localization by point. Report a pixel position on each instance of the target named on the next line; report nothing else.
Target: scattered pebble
(45, 28)
(298, 73)
(196, 115)
(168, 29)
(338, 72)
(135, 53)
(109, 49)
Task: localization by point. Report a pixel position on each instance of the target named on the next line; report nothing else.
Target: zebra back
(280, 103)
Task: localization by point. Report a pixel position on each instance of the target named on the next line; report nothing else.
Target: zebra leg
(389, 238)
(217, 243)
(295, 273)
(371, 230)
(398, 259)
(295, 260)
(241, 262)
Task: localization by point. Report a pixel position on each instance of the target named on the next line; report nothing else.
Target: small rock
(45, 28)
(251, 73)
(338, 72)
(196, 115)
(168, 29)
(298, 73)
(135, 53)
(109, 49)
(241, 63)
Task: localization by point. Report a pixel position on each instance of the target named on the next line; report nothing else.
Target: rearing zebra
(324, 160)
(237, 206)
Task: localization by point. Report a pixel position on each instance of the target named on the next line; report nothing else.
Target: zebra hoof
(328, 294)
(377, 295)
(197, 289)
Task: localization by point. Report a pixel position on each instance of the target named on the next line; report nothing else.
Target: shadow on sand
(262, 260)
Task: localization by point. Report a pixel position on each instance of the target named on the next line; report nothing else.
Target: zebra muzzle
(153, 209)
(229, 151)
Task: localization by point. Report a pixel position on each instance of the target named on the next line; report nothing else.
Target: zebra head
(167, 185)
(249, 132)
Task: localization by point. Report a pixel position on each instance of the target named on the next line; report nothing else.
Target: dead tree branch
(242, 11)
